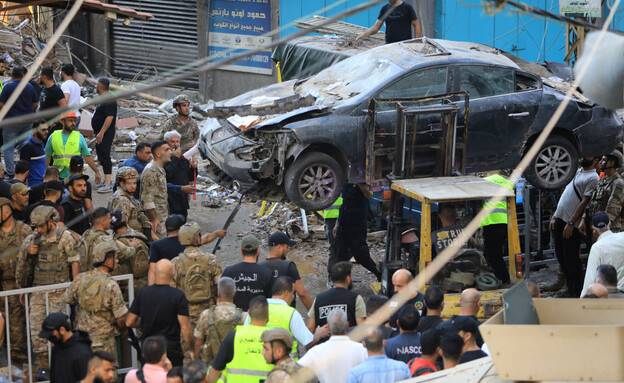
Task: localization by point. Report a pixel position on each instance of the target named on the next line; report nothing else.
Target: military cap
(180, 99)
(188, 231)
(126, 173)
(41, 214)
(119, 218)
(19, 188)
(101, 249)
(278, 333)
(6, 201)
(250, 243)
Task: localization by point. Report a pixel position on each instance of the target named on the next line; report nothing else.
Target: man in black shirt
(470, 302)
(52, 190)
(279, 246)
(434, 302)
(400, 18)
(76, 167)
(251, 278)
(180, 171)
(76, 217)
(19, 197)
(37, 192)
(103, 124)
(162, 310)
(351, 228)
(467, 329)
(168, 247)
(51, 96)
(400, 279)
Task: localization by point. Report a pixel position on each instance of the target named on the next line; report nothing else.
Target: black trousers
(330, 223)
(103, 151)
(567, 251)
(352, 240)
(494, 237)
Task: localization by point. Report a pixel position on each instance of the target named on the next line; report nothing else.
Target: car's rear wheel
(554, 166)
(314, 181)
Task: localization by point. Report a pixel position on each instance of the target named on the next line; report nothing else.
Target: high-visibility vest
(248, 364)
(333, 210)
(280, 316)
(62, 154)
(499, 212)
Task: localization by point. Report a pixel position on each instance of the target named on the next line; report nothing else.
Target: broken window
(423, 83)
(486, 81)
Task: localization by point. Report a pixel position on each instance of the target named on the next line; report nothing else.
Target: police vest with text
(337, 298)
(499, 209)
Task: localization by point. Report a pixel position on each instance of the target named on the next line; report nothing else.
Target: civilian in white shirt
(331, 361)
(607, 250)
(71, 89)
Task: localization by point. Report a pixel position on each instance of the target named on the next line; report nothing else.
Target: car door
(502, 105)
(425, 82)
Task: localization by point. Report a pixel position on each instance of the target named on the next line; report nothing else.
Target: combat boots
(558, 285)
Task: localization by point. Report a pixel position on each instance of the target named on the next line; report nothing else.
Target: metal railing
(46, 289)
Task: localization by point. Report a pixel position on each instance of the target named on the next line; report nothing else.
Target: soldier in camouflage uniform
(50, 255)
(183, 123)
(12, 235)
(101, 310)
(196, 274)
(216, 322)
(276, 350)
(609, 194)
(98, 234)
(123, 199)
(140, 263)
(154, 188)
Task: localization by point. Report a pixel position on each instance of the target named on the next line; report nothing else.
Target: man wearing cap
(240, 354)
(607, 250)
(52, 191)
(196, 273)
(609, 194)
(183, 122)
(49, 256)
(76, 168)
(13, 233)
(34, 153)
(19, 197)
(168, 247)
(123, 199)
(76, 217)
(279, 246)
(277, 343)
(71, 350)
(26, 103)
(101, 309)
(126, 235)
(99, 233)
(470, 303)
(63, 144)
(37, 192)
(467, 329)
(251, 278)
(154, 187)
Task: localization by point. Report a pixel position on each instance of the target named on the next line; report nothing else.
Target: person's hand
(552, 224)
(335, 231)
(134, 243)
(193, 162)
(582, 229)
(359, 37)
(167, 366)
(192, 355)
(155, 226)
(220, 233)
(98, 138)
(321, 332)
(176, 151)
(33, 250)
(188, 189)
(567, 231)
(22, 299)
(98, 178)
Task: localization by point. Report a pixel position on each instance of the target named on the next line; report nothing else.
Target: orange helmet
(71, 114)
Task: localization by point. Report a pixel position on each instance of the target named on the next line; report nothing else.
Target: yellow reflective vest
(62, 154)
(499, 212)
(248, 364)
(280, 316)
(333, 210)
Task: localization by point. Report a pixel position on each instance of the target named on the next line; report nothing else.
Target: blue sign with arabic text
(237, 26)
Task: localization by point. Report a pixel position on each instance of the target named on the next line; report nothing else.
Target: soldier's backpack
(218, 330)
(197, 284)
(92, 290)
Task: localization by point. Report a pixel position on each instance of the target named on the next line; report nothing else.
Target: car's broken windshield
(349, 78)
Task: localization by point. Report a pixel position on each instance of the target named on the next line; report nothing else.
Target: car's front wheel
(554, 166)
(314, 181)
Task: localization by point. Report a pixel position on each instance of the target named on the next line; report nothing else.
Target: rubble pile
(21, 44)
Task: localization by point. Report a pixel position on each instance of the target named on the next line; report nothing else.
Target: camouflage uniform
(10, 244)
(201, 298)
(283, 371)
(217, 322)
(92, 238)
(124, 201)
(608, 197)
(57, 252)
(140, 262)
(99, 323)
(187, 129)
(154, 194)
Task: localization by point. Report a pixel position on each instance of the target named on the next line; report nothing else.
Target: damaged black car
(301, 140)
